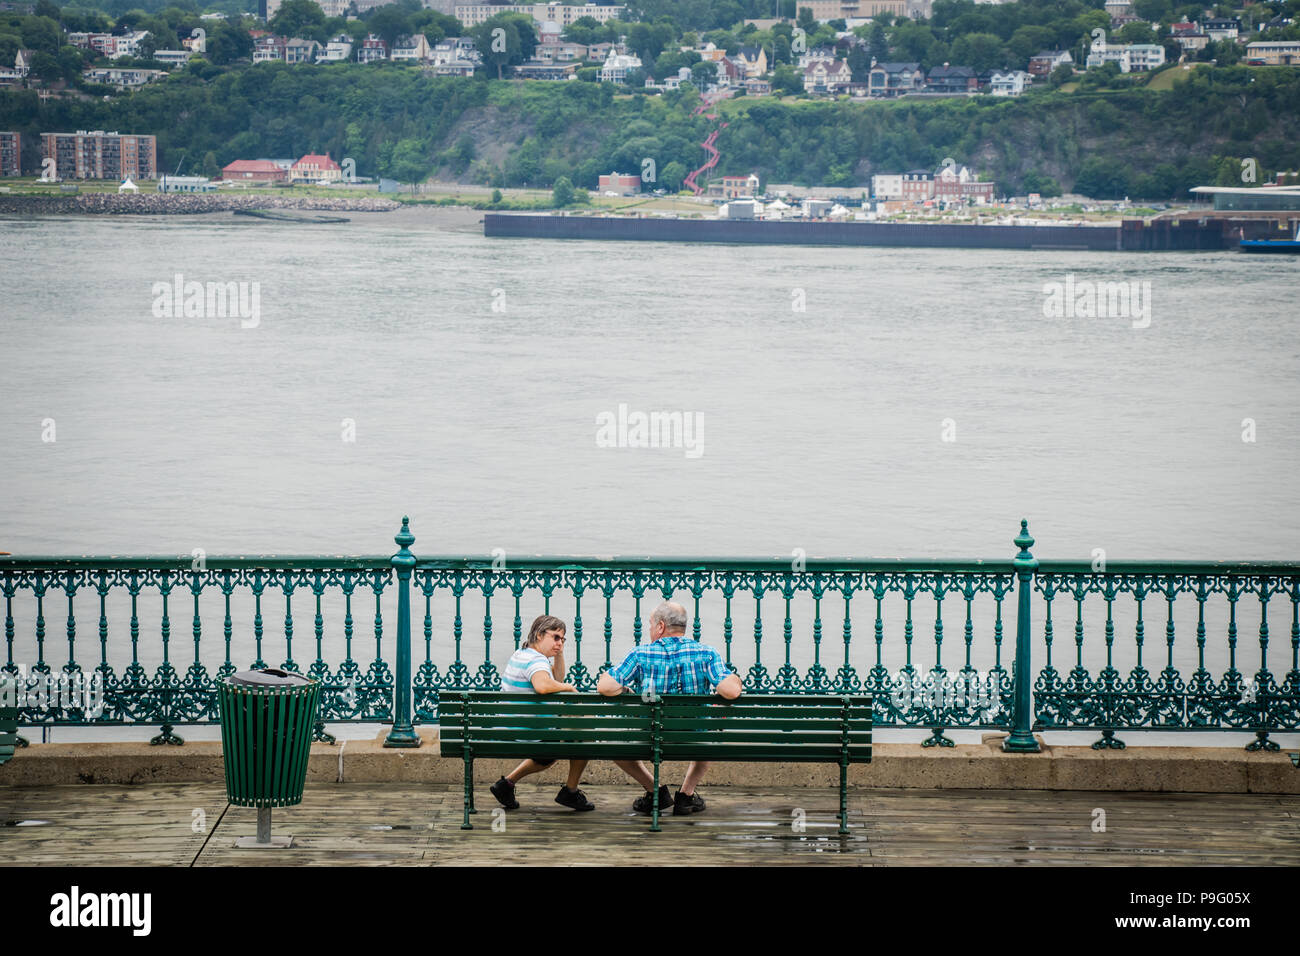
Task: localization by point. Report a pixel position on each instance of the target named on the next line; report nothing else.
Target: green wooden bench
(758, 728)
(8, 716)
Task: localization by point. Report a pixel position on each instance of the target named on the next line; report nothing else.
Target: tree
(1137, 32)
(228, 42)
(389, 22)
(672, 175)
(860, 64)
(878, 43)
(298, 18)
(979, 51)
(562, 194)
(409, 162)
(786, 79)
(496, 197)
(807, 22)
(1045, 186)
(40, 34)
(506, 39)
(44, 8)
(46, 67)
(781, 50)
(1151, 10)
(9, 47)
(913, 41)
(1028, 40)
(704, 73)
(1103, 178)
(1062, 74)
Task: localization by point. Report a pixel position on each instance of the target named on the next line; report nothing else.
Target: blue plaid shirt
(672, 665)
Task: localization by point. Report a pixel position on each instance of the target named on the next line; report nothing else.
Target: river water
(871, 402)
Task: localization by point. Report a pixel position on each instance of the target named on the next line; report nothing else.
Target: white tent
(128, 187)
(838, 212)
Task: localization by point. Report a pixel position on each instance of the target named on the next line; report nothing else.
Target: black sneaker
(504, 791)
(684, 806)
(574, 799)
(644, 806)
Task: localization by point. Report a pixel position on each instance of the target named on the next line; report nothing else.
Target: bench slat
(498, 734)
(782, 737)
(561, 751)
(726, 721)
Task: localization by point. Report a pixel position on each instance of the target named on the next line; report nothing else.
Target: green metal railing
(845, 626)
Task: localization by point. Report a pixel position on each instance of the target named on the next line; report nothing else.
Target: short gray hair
(672, 614)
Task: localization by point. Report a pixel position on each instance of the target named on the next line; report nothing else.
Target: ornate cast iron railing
(939, 644)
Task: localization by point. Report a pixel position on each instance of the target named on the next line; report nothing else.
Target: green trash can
(267, 718)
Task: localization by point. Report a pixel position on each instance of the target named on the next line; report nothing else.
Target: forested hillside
(399, 123)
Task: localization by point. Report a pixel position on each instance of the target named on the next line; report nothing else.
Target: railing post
(403, 733)
(1021, 739)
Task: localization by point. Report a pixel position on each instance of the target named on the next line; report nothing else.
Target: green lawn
(1165, 79)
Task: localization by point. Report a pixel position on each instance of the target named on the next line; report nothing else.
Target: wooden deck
(413, 825)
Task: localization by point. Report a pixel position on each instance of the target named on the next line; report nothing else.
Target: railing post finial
(1024, 541)
(404, 540)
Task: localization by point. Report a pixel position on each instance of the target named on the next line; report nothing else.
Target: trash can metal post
(403, 733)
(1021, 739)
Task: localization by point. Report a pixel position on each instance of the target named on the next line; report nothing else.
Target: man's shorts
(544, 761)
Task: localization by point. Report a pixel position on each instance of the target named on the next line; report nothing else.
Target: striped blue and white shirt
(521, 667)
(672, 665)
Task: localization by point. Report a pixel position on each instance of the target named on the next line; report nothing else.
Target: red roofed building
(254, 171)
(314, 167)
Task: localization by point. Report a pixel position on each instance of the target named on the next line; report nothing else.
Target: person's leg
(694, 774)
(526, 768)
(575, 773)
(637, 771)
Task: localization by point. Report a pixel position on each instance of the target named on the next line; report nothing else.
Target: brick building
(99, 155)
(11, 154)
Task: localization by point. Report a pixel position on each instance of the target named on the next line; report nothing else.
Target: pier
(406, 824)
(1187, 234)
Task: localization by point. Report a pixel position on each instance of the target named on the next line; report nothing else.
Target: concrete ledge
(907, 766)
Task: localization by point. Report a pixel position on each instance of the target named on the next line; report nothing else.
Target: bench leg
(654, 800)
(844, 798)
(469, 792)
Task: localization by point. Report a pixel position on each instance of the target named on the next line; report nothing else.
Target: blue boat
(1290, 246)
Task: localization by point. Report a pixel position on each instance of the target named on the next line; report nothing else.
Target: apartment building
(472, 14)
(95, 154)
(11, 154)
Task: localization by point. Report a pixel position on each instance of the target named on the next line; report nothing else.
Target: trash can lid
(268, 677)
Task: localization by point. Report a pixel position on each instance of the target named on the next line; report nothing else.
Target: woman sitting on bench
(538, 667)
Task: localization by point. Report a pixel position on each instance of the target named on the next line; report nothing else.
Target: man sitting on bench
(670, 664)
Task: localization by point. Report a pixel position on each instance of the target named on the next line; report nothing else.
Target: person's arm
(620, 677)
(726, 681)
(608, 687)
(557, 669)
(729, 688)
(544, 683)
